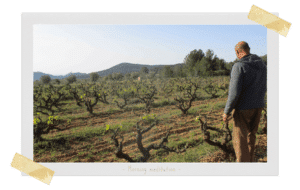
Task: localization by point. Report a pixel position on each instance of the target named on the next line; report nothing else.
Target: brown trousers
(245, 126)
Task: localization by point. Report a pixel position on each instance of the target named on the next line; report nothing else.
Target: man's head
(242, 49)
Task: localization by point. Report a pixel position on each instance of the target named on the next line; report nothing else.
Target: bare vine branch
(144, 150)
(227, 137)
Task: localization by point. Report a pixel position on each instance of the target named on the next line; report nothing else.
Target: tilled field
(101, 149)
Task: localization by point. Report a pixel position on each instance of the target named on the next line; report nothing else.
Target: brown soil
(103, 148)
(261, 145)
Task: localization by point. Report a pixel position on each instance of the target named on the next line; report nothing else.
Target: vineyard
(157, 120)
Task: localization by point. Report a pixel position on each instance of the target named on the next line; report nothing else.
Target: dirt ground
(101, 149)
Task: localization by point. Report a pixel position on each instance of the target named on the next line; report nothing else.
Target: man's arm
(235, 88)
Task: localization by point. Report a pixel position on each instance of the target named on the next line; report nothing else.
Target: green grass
(89, 156)
(61, 141)
(163, 117)
(75, 159)
(112, 110)
(102, 153)
(81, 153)
(193, 111)
(180, 144)
(191, 155)
(193, 133)
(220, 105)
(163, 102)
(137, 107)
(69, 118)
(128, 124)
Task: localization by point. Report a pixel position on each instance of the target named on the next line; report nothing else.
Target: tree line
(195, 64)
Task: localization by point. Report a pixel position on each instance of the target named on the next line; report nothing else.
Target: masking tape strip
(32, 168)
(269, 20)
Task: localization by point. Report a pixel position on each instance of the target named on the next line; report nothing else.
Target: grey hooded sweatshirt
(248, 84)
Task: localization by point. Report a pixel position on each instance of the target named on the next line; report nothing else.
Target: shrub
(123, 91)
(56, 81)
(146, 91)
(71, 79)
(45, 79)
(94, 77)
(186, 92)
(44, 127)
(46, 98)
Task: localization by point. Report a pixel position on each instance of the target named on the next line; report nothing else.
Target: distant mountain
(120, 68)
(128, 68)
(37, 75)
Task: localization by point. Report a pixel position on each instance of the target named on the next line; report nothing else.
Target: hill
(120, 68)
(130, 67)
(37, 75)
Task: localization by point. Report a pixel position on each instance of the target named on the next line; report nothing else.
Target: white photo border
(271, 168)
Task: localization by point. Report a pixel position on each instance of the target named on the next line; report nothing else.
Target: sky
(61, 49)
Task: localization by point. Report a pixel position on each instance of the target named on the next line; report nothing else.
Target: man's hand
(225, 117)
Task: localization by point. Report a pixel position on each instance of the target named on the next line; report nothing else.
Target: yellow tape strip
(269, 20)
(32, 168)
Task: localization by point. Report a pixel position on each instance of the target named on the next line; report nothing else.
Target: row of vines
(182, 92)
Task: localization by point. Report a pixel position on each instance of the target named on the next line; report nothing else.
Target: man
(248, 85)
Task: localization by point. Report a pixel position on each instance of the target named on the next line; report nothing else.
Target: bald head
(242, 49)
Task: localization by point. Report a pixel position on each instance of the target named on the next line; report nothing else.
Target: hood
(253, 61)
